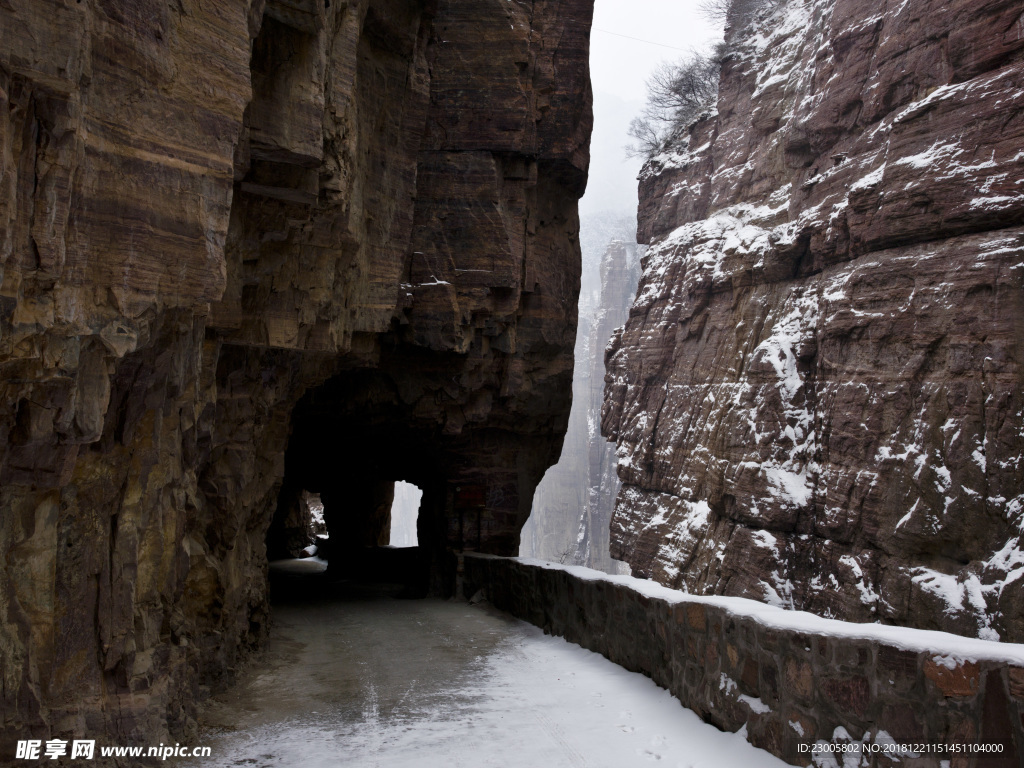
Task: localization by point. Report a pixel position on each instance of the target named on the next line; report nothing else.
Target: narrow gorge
(261, 255)
(573, 505)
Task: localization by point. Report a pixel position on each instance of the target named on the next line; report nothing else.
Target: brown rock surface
(818, 395)
(211, 212)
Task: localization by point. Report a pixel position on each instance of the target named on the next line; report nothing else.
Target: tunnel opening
(405, 510)
(376, 476)
(298, 529)
(366, 438)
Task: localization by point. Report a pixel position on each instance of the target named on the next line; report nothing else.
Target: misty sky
(619, 67)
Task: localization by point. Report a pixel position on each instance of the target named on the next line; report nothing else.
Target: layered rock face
(573, 505)
(818, 396)
(251, 250)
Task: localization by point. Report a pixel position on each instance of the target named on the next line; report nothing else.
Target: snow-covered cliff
(818, 397)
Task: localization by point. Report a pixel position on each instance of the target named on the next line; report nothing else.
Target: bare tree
(715, 10)
(677, 94)
(735, 13)
(568, 555)
(648, 141)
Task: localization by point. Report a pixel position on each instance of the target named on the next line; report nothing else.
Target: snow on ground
(401, 683)
(302, 566)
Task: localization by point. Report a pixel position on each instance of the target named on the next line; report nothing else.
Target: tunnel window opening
(297, 538)
(298, 529)
(405, 511)
(317, 526)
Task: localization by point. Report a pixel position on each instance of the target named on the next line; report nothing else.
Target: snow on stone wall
(785, 678)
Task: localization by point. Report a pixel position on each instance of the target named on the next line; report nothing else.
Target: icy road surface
(365, 680)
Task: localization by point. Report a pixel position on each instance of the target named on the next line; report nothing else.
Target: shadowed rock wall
(211, 211)
(818, 396)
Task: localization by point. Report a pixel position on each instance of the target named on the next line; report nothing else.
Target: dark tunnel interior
(362, 431)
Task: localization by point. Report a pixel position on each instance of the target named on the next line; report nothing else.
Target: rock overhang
(218, 210)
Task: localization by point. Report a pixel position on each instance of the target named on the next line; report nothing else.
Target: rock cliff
(573, 505)
(251, 250)
(818, 397)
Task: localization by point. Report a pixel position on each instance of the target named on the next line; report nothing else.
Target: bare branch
(735, 13)
(677, 94)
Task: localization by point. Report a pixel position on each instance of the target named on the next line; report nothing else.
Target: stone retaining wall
(790, 688)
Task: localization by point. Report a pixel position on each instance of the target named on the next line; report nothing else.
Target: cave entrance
(378, 477)
(363, 436)
(405, 510)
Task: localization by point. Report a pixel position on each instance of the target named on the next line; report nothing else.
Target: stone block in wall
(695, 617)
(849, 656)
(904, 722)
(749, 677)
(897, 668)
(767, 733)
(1015, 683)
(953, 679)
(798, 679)
(768, 684)
(997, 722)
(851, 695)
